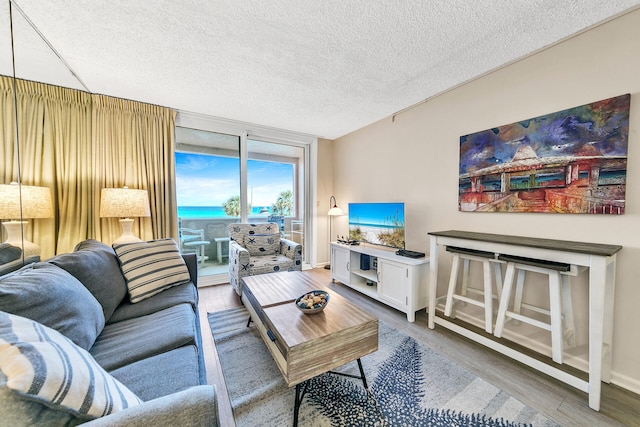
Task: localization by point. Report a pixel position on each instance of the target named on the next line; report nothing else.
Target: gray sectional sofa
(147, 355)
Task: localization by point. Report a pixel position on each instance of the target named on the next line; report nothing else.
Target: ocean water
(210, 211)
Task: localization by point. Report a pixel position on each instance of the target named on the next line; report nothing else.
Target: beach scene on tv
(377, 223)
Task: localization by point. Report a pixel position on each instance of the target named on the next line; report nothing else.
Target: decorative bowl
(312, 302)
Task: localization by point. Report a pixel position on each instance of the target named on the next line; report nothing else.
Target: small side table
(219, 241)
(199, 246)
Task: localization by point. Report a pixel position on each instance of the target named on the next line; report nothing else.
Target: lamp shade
(335, 210)
(123, 203)
(25, 201)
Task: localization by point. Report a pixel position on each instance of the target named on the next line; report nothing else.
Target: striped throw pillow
(151, 267)
(40, 364)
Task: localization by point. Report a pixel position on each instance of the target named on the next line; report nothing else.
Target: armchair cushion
(270, 264)
(262, 244)
(46, 376)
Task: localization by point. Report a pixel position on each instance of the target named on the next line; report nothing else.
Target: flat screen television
(377, 223)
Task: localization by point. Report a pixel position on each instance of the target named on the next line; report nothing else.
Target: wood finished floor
(556, 400)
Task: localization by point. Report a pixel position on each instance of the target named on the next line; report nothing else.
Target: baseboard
(625, 382)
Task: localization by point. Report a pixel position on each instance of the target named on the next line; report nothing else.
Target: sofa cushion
(53, 297)
(185, 293)
(151, 267)
(132, 340)
(8, 253)
(179, 369)
(96, 266)
(262, 244)
(39, 364)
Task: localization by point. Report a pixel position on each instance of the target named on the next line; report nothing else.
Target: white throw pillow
(151, 267)
(40, 364)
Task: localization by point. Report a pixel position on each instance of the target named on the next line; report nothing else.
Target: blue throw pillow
(51, 296)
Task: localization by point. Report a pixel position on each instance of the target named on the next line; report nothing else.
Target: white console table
(600, 259)
(397, 281)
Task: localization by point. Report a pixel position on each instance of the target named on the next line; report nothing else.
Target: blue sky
(204, 180)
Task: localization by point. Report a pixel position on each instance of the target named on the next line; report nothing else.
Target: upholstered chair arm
(239, 260)
(292, 250)
(238, 251)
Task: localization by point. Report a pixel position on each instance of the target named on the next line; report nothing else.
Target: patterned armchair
(258, 249)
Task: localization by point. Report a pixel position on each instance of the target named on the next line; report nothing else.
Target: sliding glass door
(224, 178)
(208, 195)
(276, 182)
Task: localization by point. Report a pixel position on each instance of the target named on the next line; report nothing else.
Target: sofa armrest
(192, 265)
(195, 407)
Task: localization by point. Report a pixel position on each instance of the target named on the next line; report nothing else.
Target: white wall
(414, 159)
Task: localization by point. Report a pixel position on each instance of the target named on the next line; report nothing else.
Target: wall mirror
(27, 211)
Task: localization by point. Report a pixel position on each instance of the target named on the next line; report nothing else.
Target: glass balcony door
(223, 178)
(276, 183)
(208, 196)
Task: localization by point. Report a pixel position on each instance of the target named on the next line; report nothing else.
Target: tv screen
(377, 223)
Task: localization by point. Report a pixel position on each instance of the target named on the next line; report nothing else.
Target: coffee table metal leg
(360, 377)
(300, 391)
(364, 378)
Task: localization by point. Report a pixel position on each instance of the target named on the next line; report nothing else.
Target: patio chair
(259, 249)
(192, 240)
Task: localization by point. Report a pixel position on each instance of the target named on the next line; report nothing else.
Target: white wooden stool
(468, 255)
(559, 300)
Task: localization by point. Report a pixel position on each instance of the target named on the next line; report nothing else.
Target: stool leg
(488, 297)
(504, 299)
(556, 316)
(497, 267)
(453, 281)
(567, 311)
(517, 301)
(465, 275)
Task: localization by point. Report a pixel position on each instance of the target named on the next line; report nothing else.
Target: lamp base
(127, 233)
(14, 238)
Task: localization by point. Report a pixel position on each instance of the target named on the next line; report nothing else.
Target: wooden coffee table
(306, 345)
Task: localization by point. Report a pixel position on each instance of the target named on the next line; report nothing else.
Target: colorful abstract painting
(571, 161)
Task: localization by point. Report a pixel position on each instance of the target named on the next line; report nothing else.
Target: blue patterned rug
(410, 385)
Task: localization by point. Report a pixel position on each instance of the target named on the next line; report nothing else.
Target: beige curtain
(134, 146)
(76, 144)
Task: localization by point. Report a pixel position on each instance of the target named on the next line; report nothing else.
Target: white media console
(397, 281)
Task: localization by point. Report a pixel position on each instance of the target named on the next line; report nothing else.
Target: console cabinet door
(340, 258)
(393, 283)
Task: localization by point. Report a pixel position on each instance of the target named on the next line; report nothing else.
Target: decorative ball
(312, 302)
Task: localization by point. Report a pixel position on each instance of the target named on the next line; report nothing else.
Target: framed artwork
(571, 161)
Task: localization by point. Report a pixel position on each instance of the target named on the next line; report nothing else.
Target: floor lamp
(333, 211)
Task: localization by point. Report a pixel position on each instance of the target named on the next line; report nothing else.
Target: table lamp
(333, 211)
(18, 204)
(124, 203)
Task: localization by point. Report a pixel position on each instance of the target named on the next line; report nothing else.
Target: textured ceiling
(324, 68)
